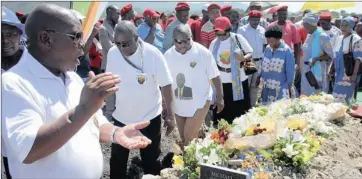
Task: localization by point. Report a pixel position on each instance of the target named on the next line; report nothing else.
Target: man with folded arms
(192, 66)
(52, 124)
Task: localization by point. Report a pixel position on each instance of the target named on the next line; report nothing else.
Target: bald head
(49, 17)
(125, 28)
(111, 8)
(182, 29)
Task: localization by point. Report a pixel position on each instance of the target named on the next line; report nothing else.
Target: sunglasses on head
(182, 41)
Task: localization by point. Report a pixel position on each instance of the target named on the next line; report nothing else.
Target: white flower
(289, 150)
(297, 137)
(321, 127)
(213, 157)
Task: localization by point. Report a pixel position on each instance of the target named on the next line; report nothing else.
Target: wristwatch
(111, 136)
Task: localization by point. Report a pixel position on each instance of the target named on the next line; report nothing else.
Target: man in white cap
(254, 5)
(11, 52)
(197, 25)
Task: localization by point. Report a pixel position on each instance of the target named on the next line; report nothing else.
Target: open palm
(130, 137)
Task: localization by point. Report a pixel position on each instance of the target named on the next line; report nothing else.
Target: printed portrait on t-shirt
(182, 92)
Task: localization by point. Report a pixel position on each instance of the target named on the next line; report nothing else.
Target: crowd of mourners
(63, 95)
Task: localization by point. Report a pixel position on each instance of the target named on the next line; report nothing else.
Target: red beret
(126, 9)
(281, 8)
(100, 21)
(255, 13)
(225, 8)
(150, 13)
(138, 17)
(213, 6)
(325, 16)
(18, 13)
(182, 6)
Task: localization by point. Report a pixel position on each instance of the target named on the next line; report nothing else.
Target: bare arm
(88, 44)
(168, 98)
(53, 136)
(151, 35)
(296, 52)
(218, 87)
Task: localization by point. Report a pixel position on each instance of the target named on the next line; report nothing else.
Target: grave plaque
(216, 172)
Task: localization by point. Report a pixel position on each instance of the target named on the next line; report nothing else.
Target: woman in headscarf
(277, 70)
(345, 85)
(317, 51)
(228, 56)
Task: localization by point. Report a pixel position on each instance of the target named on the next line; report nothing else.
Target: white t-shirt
(333, 33)
(223, 57)
(34, 97)
(136, 102)
(193, 72)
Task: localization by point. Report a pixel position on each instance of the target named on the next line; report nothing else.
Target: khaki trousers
(189, 127)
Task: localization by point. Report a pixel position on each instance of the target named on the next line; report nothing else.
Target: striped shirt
(207, 34)
(23, 42)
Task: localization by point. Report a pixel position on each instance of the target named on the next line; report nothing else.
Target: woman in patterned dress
(277, 72)
(345, 85)
(317, 50)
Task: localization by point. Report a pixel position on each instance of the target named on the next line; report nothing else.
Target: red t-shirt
(303, 37)
(196, 29)
(290, 33)
(95, 57)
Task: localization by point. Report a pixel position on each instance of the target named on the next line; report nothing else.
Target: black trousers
(149, 155)
(6, 166)
(298, 80)
(233, 109)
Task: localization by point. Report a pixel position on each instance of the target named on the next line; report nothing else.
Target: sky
(27, 6)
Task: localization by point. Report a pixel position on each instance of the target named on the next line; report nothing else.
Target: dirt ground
(340, 156)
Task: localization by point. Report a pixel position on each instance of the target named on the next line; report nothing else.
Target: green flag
(81, 6)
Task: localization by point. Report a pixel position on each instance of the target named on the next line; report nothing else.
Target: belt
(256, 59)
(227, 70)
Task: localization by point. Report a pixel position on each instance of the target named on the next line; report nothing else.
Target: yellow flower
(234, 83)
(197, 170)
(328, 45)
(262, 175)
(177, 160)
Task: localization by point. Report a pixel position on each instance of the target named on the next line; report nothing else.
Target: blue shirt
(144, 29)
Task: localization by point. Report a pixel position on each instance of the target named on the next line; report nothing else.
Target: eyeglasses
(182, 41)
(76, 37)
(221, 34)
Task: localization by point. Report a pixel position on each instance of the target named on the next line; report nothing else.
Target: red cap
(100, 21)
(213, 6)
(255, 13)
(138, 17)
(222, 23)
(325, 16)
(18, 13)
(283, 7)
(225, 8)
(126, 9)
(150, 13)
(182, 6)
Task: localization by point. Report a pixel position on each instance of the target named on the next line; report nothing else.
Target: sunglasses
(76, 37)
(182, 41)
(125, 44)
(221, 34)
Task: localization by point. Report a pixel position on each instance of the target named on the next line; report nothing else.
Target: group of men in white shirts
(52, 124)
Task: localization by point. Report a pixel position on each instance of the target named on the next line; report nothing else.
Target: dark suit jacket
(186, 92)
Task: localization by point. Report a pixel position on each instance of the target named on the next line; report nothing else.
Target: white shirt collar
(37, 68)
